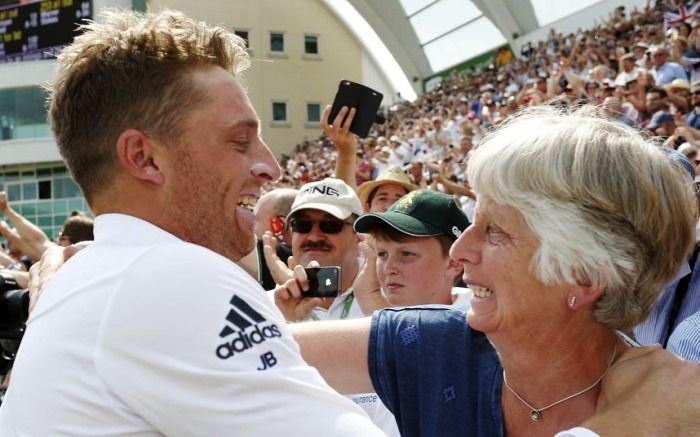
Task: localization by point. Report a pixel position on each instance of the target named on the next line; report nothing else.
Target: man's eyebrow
(249, 123)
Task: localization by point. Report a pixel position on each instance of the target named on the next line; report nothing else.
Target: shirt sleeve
(194, 345)
(577, 432)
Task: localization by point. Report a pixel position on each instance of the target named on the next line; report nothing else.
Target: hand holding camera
(305, 290)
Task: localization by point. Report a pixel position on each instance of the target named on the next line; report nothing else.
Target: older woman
(579, 225)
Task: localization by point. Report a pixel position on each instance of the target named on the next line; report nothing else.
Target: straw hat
(392, 175)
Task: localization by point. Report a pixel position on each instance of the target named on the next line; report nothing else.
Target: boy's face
(415, 271)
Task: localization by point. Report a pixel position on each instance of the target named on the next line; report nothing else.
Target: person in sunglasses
(321, 221)
(693, 117)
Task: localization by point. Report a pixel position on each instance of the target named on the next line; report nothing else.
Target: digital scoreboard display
(38, 30)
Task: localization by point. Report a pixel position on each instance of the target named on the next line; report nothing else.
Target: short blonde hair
(609, 208)
(129, 71)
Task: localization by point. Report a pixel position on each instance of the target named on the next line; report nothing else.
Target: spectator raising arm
(28, 237)
(345, 142)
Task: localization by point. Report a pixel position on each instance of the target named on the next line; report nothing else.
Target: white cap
(329, 195)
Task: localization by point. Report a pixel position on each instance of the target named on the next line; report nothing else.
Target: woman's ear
(583, 295)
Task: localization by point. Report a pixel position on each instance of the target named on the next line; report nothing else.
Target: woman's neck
(548, 369)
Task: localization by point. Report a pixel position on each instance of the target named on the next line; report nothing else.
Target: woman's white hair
(610, 209)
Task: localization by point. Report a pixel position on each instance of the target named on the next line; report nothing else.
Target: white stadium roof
(429, 36)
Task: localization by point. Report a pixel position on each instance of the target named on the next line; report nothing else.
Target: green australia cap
(420, 213)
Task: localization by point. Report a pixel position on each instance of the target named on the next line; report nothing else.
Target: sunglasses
(302, 225)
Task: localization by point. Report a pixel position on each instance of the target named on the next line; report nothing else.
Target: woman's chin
(479, 322)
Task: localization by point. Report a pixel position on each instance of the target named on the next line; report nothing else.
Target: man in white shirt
(154, 330)
(321, 221)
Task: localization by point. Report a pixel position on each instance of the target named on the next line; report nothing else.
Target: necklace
(536, 413)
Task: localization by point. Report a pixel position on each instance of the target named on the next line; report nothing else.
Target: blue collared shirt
(668, 73)
(685, 340)
(655, 328)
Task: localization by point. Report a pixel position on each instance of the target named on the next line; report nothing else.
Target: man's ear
(137, 154)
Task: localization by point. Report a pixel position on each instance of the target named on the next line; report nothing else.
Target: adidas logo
(252, 329)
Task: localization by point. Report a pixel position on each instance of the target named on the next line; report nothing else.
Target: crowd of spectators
(635, 67)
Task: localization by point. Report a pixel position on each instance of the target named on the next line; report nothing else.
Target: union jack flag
(685, 13)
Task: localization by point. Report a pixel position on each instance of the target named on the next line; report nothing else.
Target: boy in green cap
(411, 242)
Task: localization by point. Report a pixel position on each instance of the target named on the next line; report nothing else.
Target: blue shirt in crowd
(656, 328)
(668, 73)
(685, 340)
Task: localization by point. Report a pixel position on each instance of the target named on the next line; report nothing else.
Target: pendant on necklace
(535, 415)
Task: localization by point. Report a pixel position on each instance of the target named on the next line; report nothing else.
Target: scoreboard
(40, 29)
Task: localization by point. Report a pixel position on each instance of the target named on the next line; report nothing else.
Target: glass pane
(548, 11)
(45, 222)
(60, 170)
(442, 17)
(60, 207)
(311, 44)
(313, 112)
(43, 172)
(22, 113)
(64, 188)
(29, 191)
(59, 219)
(411, 6)
(44, 189)
(11, 176)
(29, 209)
(14, 192)
(243, 34)
(77, 205)
(276, 42)
(44, 208)
(451, 49)
(279, 111)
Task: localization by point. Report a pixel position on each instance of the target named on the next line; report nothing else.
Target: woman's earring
(572, 302)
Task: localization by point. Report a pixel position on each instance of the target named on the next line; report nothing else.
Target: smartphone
(366, 102)
(323, 281)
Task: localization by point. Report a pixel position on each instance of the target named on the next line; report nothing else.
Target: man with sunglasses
(693, 117)
(321, 221)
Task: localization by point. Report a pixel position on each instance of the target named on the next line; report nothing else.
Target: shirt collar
(127, 229)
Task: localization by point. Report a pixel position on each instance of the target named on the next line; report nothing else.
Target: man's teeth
(481, 292)
(247, 202)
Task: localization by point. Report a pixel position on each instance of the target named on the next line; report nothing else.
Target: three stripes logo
(252, 329)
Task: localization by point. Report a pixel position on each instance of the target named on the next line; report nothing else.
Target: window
(313, 113)
(311, 44)
(23, 114)
(279, 112)
(243, 34)
(29, 191)
(276, 42)
(45, 189)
